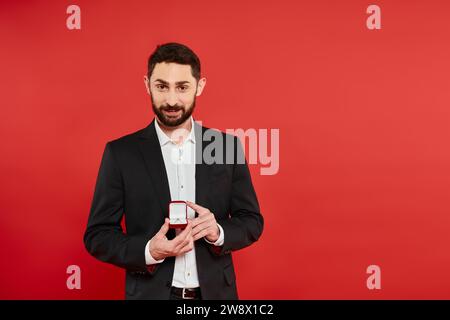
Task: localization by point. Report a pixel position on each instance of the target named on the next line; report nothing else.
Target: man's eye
(160, 86)
(183, 88)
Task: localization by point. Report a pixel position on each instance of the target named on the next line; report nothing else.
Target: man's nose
(171, 98)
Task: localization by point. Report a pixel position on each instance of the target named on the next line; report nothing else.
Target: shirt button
(181, 186)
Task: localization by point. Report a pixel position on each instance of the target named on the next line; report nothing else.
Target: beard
(176, 120)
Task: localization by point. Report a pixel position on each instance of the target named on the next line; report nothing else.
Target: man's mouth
(172, 112)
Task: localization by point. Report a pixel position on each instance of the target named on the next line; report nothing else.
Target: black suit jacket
(132, 183)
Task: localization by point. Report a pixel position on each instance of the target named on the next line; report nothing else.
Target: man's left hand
(205, 225)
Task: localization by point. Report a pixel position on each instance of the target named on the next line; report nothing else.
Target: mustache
(171, 108)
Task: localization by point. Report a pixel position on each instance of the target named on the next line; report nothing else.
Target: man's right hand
(161, 248)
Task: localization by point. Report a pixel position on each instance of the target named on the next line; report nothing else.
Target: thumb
(164, 227)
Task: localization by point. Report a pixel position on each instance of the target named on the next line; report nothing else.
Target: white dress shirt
(179, 161)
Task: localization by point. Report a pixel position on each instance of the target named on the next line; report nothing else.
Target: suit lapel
(201, 169)
(154, 161)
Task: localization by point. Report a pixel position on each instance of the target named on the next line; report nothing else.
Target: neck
(181, 135)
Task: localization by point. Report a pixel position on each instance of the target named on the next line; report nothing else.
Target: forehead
(172, 72)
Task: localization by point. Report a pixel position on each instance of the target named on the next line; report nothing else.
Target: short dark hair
(176, 53)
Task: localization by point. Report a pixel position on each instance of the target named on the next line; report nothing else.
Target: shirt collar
(164, 138)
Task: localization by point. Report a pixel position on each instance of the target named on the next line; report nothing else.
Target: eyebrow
(176, 83)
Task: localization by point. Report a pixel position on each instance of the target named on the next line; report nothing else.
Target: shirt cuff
(148, 257)
(219, 241)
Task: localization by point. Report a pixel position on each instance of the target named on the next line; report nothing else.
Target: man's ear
(147, 84)
(200, 86)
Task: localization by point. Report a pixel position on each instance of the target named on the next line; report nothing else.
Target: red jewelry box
(178, 214)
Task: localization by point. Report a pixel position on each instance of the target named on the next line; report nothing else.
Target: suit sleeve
(245, 224)
(104, 238)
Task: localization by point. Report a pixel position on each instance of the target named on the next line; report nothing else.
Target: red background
(364, 129)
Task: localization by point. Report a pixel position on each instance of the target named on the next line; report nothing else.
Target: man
(170, 160)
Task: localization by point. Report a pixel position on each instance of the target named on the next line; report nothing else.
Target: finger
(185, 234)
(199, 220)
(200, 234)
(188, 247)
(197, 208)
(164, 228)
(180, 240)
(202, 219)
(186, 229)
(200, 227)
(194, 205)
(184, 243)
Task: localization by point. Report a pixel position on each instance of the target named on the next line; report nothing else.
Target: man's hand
(205, 225)
(161, 248)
